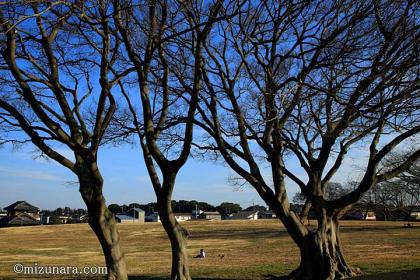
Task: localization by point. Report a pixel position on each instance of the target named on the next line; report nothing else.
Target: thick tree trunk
(321, 255)
(178, 238)
(102, 222)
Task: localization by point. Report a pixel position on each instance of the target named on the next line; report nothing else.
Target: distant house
(244, 215)
(82, 218)
(54, 219)
(137, 213)
(355, 214)
(396, 214)
(415, 213)
(210, 216)
(152, 217)
(267, 214)
(21, 213)
(370, 215)
(133, 215)
(181, 217)
(120, 218)
(2, 213)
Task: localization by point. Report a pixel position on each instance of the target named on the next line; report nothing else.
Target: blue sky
(48, 185)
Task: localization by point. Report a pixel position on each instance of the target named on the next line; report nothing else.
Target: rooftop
(21, 206)
(124, 217)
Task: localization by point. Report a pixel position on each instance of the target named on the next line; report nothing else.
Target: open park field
(252, 249)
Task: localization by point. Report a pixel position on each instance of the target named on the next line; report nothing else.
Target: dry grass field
(251, 249)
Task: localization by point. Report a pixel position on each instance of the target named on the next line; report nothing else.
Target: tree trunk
(305, 212)
(102, 222)
(178, 237)
(321, 254)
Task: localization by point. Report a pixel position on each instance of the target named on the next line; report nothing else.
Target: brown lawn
(251, 249)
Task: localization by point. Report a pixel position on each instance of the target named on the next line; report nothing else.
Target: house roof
(136, 209)
(21, 206)
(20, 220)
(211, 213)
(182, 214)
(124, 217)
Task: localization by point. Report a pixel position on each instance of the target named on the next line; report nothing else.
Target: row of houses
(137, 215)
(22, 213)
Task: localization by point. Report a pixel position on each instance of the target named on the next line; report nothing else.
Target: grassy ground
(251, 249)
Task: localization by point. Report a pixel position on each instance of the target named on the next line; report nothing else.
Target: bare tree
(411, 183)
(396, 197)
(168, 74)
(57, 89)
(311, 81)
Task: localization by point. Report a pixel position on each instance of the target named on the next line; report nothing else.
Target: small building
(152, 217)
(268, 214)
(21, 213)
(133, 215)
(125, 219)
(244, 215)
(82, 218)
(210, 216)
(137, 213)
(355, 214)
(2, 213)
(370, 215)
(182, 217)
(415, 213)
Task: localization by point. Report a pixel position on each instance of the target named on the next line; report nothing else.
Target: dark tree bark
(321, 254)
(309, 81)
(41, 69)
(101, 220)
(162, 68)
(178, 238)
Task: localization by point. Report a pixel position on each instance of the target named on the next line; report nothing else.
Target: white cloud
(142, 178)
(29, 174)
(35, 155)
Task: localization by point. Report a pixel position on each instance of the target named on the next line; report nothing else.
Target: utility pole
(196, 210)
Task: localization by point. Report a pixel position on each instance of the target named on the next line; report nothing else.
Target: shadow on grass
(398, 275)
(163, 278)
(281, 232)
(376, 228)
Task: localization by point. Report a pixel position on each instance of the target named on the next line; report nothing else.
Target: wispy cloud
(142, 179)
(35, 155)
(29, 174)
